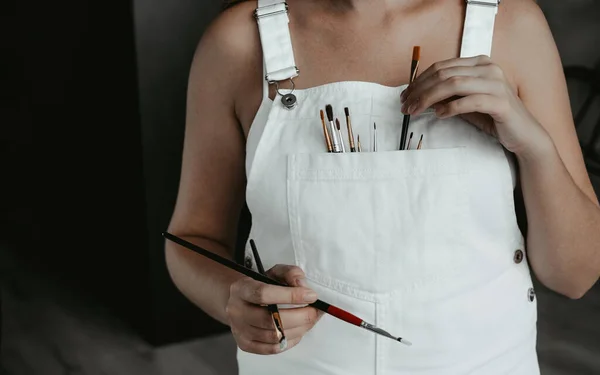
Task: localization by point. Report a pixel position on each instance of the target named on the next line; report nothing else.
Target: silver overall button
(518, 257)
(531, 294)
(248, 261)
(289, 101)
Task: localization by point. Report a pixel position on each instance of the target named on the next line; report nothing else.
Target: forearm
(203, 281)
(563, 240)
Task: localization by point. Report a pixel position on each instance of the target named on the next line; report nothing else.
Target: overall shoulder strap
(278, 55)
(478, 29)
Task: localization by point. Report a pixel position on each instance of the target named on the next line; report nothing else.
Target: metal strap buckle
(270, 81)
(484, 3)
(273, 12)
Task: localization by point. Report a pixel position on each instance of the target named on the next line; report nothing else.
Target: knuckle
(278, 267)
(437, 66)
(456, 81)
(297, 295)
(237, 287)
(294, 272)
(234, 288)
(259, 293)
(483, 59)
(496, 71)
(442, 74)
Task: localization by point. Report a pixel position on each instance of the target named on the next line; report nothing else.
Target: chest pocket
(370, 223)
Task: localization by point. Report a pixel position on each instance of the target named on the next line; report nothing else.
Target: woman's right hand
(250, 322)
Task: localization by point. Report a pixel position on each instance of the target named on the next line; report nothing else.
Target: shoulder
(230, 44)
(234, 30)
(523, 40)
(519, 12)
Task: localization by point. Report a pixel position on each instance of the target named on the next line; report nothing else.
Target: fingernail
(310, 296)
(301, 282)
(440, 112)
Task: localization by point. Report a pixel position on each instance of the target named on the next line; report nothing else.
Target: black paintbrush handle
(224, 261)
(318, 304)
(404, 133)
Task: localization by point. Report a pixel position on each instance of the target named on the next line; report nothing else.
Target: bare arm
(211, 195)
(212, 184)
(563, 217)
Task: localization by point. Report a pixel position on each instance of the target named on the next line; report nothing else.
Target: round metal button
(531, 294)
(248, 261)
(518, 257)
(289, 101)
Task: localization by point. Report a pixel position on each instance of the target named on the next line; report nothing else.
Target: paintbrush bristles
(322, 115)
(337, 124)
(346, 112)
(416, 53)
(329, 111)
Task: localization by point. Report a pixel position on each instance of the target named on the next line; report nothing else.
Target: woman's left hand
(476, 89)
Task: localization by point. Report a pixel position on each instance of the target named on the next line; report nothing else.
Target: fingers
(481, 103)
(299, 317)
(442, 65)
(241, 312)
(259, 293)
(256, 347)
(290, 275)
(259, 317)
(418, 87)
(456, 78)
(452, 87)
(266, 340)
(272, 336)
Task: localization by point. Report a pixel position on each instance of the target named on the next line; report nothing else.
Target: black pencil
(273, 309)
(318, 304)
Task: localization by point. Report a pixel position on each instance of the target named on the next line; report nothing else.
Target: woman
(423, 243)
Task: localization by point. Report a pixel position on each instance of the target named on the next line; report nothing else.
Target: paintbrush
(414, 68)
(336, 142)
(326, 132)
(318, 304)
(374, 137)
(339, 132)
(409, 139)
(350, 134)
(273, 309)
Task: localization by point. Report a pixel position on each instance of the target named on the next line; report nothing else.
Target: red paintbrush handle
(337, 312)
(344, 315)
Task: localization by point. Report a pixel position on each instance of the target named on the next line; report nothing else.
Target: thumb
(288, 274)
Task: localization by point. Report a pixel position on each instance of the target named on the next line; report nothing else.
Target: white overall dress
(422, 243)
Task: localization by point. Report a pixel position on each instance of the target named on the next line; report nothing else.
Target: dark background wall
(76, 208)
(91, 148)
(167, 33)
